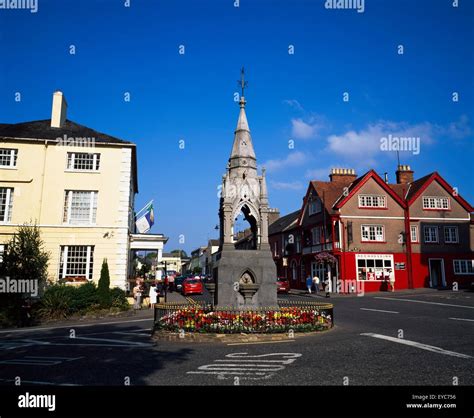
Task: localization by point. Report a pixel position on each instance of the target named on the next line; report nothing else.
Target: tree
(181, 253)
(24, 259)
(103, 288)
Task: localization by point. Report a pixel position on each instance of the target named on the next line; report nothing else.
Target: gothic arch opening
(245, 229)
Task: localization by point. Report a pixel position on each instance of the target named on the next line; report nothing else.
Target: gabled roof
(283, 223)
(420, 185)
(41, 129)
(358, 183)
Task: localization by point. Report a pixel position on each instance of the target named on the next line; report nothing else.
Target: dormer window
(314, 206)
(372, 201)
(436, 203)
(83, 161)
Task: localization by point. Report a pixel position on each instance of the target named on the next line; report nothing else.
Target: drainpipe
(406, 212)
(42, 181)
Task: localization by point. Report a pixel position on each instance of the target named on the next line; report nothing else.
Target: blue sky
(296, 96)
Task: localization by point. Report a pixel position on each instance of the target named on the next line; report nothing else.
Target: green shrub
(119, 298)
(57, 302)
(85, 297)
(103, 288)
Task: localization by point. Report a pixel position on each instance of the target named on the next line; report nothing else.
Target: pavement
(422, 337)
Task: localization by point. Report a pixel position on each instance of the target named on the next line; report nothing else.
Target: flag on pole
(146, 220)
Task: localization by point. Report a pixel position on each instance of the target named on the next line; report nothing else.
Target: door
(436, 272)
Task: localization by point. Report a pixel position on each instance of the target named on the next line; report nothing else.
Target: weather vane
(242, 83)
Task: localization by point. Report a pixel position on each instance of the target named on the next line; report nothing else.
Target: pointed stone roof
(242, 147)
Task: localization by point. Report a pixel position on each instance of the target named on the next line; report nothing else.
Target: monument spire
(243, 154)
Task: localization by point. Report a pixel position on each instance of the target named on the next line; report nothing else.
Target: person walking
(328, 285)
(153, 295)
(309, 283)
(316, 283)
(160, 290)
(137, 294)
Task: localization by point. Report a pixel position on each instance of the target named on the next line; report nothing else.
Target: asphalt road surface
(406, 338)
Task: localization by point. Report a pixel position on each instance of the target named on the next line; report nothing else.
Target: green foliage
(119, 299)
(24, 259)
(197, 270)
(84, 297)
(103, 289)
(57, 302)
(181, 253)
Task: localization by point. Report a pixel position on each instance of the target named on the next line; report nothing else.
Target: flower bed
(199, 319)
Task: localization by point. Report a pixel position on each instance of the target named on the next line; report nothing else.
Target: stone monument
(245, 278)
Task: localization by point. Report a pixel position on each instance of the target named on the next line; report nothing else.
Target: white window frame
(8, 205)
(94, 196)
(13, 158)
(315, 206)
(466, 265)
(372, 201)
(386, 271)
(456, 235)
(436, 203)
(414, 233)
(434, 228)
(63, 258)
(378, 237)
(71, 157)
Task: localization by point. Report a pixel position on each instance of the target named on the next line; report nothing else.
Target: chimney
(404, 174)
(342, 175)
(58, 112)
(273, 215)
(385, 177)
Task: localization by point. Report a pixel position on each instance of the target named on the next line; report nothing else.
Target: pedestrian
(160, 290)
(153, 295)
(316, 283)
(328, 285)
(137, 294)
(309, 283)
(392, 281)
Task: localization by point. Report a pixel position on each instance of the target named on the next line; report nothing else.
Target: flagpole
(144, 207)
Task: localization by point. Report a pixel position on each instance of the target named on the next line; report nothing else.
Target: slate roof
(283, 223)
(41, 129)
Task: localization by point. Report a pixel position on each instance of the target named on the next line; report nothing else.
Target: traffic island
(205, 323)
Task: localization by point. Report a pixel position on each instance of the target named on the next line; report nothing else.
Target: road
(406, 338)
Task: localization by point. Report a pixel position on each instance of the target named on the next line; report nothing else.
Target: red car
(283, 285)
(192, 286)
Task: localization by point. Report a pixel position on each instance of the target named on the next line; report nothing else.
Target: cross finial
(242, 83)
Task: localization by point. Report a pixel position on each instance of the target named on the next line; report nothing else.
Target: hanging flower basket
(325, 257)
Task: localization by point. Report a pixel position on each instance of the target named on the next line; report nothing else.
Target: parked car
(283, 285)
(192, 286)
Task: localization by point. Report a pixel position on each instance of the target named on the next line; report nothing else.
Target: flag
(146, 220)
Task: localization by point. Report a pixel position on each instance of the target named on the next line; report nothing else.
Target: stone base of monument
(246, 279)
(183, 337)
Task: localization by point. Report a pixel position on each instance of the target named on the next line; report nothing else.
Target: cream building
(78, 185)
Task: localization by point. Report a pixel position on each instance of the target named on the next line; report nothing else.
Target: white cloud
(293, 159)
(366, 143)
(294, 104)
(292, 185)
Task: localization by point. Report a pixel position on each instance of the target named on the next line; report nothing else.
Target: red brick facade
(415, 233)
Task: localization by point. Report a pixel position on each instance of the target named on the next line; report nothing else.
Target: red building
(366, 232)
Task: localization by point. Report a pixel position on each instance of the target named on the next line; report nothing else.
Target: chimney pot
(343, 175)
(59, 110)
(404, 174)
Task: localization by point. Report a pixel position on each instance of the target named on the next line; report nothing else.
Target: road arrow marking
(415, 344)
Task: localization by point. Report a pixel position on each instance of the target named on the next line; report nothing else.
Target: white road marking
(377, 310)
(109, 340)
(252, 367)
(39, 360)
(415, 344)
(463, 319)
(424, 301)
(131, 334)
(73, 326)
(35, 382)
